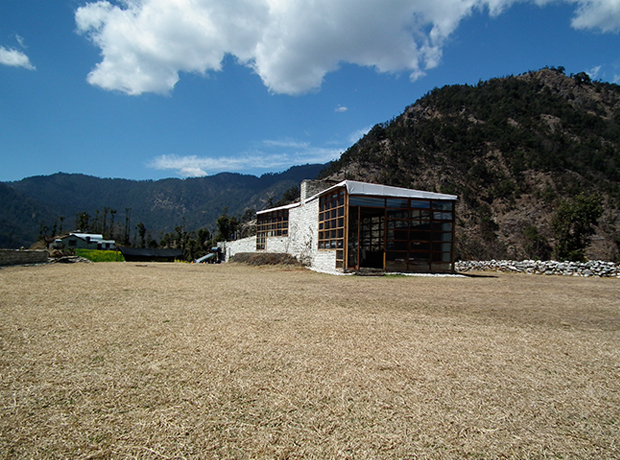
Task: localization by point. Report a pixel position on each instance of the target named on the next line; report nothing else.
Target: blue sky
(147, 89)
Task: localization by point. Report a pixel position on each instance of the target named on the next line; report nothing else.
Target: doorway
(366, 238)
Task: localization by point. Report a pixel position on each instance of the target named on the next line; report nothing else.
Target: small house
(84, 241)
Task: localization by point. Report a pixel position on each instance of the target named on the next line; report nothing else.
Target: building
(151, 255)
(357, 226)
(84, 241)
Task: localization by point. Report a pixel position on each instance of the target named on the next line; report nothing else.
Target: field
(156, 361)
(97, 255)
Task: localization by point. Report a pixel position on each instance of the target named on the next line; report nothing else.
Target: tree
(573, 225)
(226, 226)
(142, 233)
(82, 221)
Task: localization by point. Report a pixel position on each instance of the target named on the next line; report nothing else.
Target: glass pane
(442, 247)
(419, 246)
(397, 203)
(358, 200)
(420, 236)
(420, 204)
(419, 214)
(397, 245)
(395, 256)
(442, 236)
(419, 225)
(442, 226)
(442, 205)
(397, 214)
(442, 257)
(442, 215)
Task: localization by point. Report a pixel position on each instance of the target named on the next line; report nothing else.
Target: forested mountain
(515, 150)
(533, 158)
(38, 204)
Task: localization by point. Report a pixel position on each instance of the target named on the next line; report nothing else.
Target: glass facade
(392, 234)
(332, 223)
(269, 224)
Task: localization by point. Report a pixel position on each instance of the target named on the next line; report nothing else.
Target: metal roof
(364, 188)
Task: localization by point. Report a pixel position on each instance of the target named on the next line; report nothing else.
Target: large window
(331, 223)
(419, 237)
(274, 223)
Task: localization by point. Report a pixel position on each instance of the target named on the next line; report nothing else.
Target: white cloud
(594, 72)
(357, 135)
(340, 109)
(290, 44)
(269, 156)
(14, 58)
(597, 14)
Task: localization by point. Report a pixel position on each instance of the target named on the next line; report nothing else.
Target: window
(270, 224)
(331, 223)
(419, 238)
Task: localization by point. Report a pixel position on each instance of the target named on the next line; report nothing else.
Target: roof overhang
(364, 188)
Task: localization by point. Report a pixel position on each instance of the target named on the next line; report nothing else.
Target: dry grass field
(156, 361)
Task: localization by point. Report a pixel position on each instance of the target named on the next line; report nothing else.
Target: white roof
(279, 208)
(92, 236)
(364, 188)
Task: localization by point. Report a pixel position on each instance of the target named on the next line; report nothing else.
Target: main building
(357, 226)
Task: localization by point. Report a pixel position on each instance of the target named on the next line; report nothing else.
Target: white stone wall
(302, 242)
(277, 244)
(230, 248)
(304, 231)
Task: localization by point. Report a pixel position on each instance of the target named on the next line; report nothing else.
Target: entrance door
(366, 237)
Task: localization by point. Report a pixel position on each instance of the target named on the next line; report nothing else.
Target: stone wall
(230, 248)
(538, 267)
(22, 257)
(302, 242)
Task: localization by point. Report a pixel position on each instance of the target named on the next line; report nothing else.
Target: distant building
(357, 226)
(151, 255)
(84, 241)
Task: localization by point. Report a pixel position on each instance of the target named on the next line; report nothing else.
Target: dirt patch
(117, 360)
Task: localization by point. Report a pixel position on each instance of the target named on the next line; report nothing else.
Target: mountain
(20, 218)
(513, 149)
(160, 205)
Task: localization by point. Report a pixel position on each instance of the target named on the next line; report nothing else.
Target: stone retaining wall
(22, 257)
(539, 267)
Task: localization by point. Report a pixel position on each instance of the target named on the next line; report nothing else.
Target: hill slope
(161, 205)
(512, 148)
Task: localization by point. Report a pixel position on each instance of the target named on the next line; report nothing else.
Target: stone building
(357, 226)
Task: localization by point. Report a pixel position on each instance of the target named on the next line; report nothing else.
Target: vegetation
(95, 255)
(113, 207)
(177, 361)
(512, 149)
(573, 225)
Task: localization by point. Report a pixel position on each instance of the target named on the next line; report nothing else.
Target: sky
(149, 89)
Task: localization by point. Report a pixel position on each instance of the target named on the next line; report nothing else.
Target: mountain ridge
(512, 148)
(160, 205)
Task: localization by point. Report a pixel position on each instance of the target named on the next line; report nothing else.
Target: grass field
(96, 255)
(125, 360)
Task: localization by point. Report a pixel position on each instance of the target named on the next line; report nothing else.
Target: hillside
(512, 148)
(160, 205)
